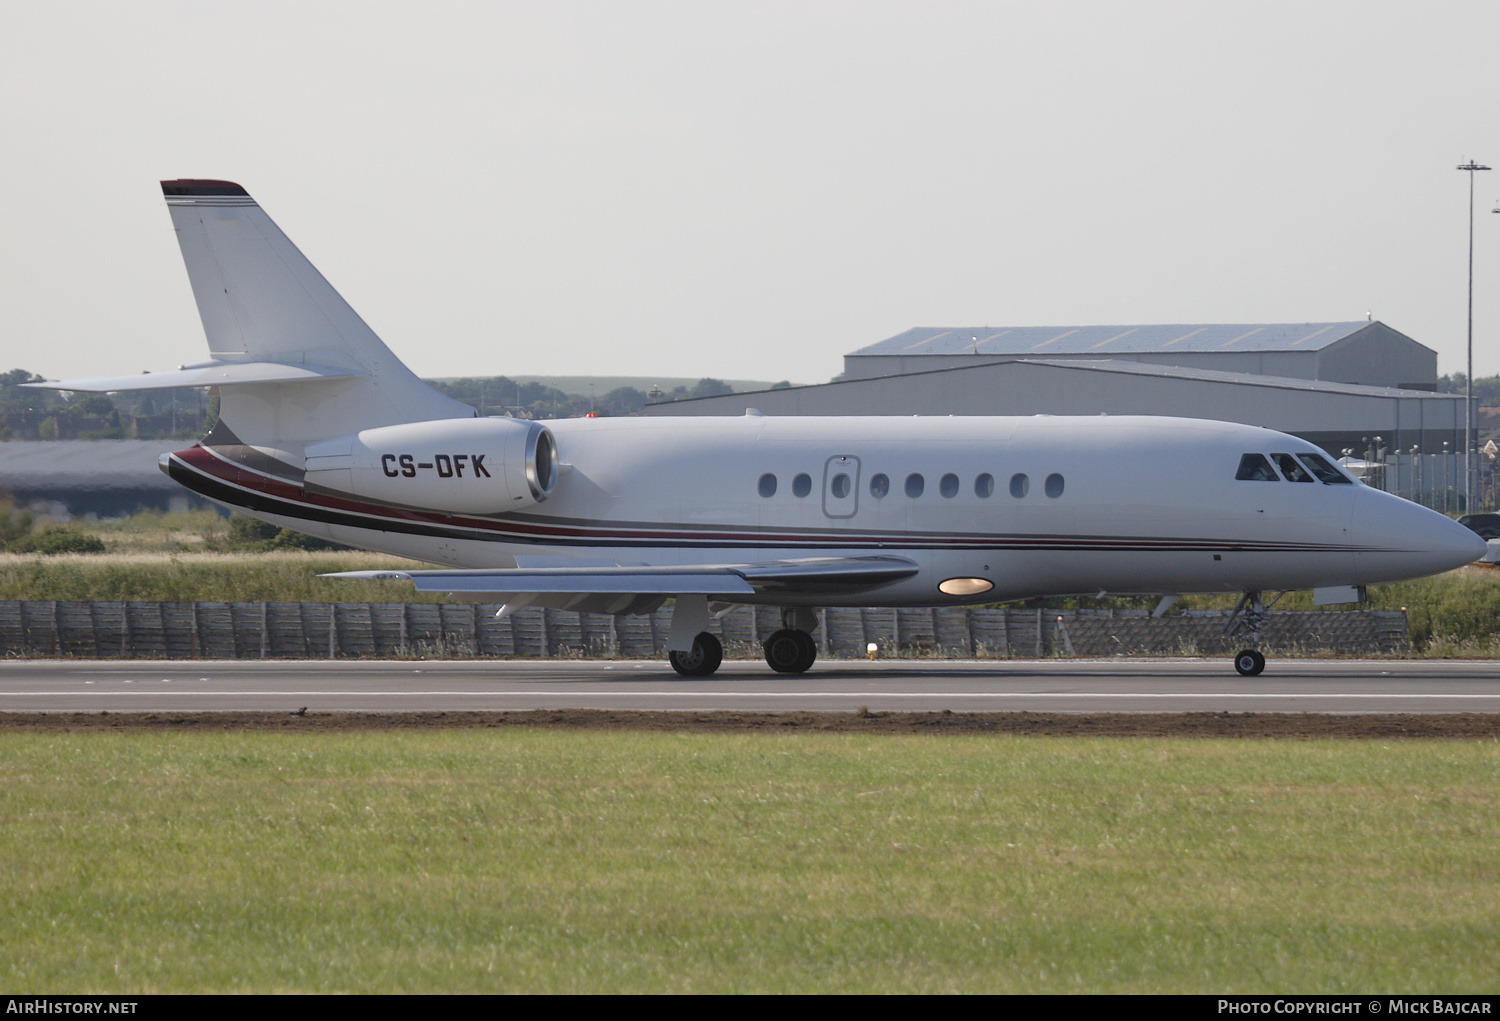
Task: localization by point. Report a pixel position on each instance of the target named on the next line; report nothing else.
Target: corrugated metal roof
(1104, 341)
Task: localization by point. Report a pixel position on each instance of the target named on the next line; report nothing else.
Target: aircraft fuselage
(1035, 506)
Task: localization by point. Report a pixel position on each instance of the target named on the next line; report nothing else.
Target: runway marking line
(688, 693)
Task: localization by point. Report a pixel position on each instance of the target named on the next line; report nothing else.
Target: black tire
(809, 651)
(700, 661)
(790, 651)
(1249, 662)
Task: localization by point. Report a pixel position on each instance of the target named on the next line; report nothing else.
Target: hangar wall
(1333, 415)
(107, 477)
(1380, 356)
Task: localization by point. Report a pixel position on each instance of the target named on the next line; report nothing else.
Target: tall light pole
(1470, 166)
(1476, 438)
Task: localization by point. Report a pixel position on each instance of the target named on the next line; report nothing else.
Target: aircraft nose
(1477, 547)
(1454, 543)
(1409, 539)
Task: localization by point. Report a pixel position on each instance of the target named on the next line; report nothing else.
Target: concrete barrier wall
(331, 630)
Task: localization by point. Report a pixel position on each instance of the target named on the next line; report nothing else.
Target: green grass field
(547, 861)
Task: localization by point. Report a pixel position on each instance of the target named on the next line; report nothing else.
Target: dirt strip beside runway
(1384, 726)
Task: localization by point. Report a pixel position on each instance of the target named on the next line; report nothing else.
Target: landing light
(965, 586)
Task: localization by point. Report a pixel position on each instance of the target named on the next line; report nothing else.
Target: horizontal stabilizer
(206, 374)
(815, 573)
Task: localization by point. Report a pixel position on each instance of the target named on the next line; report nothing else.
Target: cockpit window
(1255, 468)
(1325, 471)
(1293, 471)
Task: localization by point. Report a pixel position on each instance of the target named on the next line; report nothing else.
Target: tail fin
(261, 301)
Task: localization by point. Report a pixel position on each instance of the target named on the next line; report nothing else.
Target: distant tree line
(146, 415)
(501, 395)
(189, 414)
(1486, 388)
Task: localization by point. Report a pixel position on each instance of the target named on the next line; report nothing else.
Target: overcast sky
(751, 190)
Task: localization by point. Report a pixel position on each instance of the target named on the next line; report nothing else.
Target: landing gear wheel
(1249, 662)
(790, 651)
(700, 661)
(809, 651)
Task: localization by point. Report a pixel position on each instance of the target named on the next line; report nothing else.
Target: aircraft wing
(723, 580)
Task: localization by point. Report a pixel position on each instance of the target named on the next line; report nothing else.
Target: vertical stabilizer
(262, 301)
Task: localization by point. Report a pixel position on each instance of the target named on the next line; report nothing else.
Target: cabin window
(1324, 471)
(767, 485)
(1054, 485)
(1020, 485)
(880, 484)
(984, 486)
(1293, 471)
(840, 486)
(1255, 468)
(914, 485)
(801, 484)
(948, 485)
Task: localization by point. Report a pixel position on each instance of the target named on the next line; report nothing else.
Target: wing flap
(823, 572)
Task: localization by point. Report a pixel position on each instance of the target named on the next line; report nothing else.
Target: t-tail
(294, 364)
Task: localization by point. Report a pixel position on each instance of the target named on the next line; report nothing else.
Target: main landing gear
(792, 649)
(1249, 616)
(701, 660)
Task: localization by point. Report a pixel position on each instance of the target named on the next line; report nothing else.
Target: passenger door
(841, 486)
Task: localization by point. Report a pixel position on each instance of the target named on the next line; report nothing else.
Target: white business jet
(323, 430)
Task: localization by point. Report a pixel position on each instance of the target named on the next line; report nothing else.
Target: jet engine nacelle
(463, 465)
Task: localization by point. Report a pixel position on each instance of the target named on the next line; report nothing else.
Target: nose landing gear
(1249, 616)
(1249, 662)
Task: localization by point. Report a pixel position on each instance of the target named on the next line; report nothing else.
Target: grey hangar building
(1338, 385)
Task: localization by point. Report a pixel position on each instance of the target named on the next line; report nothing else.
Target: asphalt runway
(1052, 686)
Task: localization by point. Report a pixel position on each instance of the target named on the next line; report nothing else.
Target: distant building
(1339, 385)
(67, 478)
(1366, 353)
